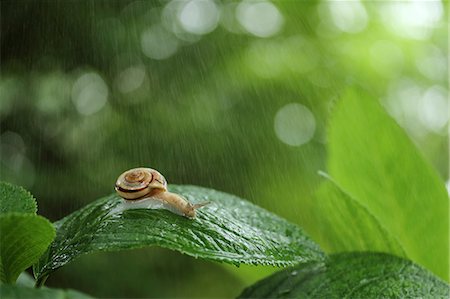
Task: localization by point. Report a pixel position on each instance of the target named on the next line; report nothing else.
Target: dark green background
(203, 116)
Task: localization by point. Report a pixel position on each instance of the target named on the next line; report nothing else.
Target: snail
(147, 188)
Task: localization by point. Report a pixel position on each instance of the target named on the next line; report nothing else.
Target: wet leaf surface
(352, 275)
(16, 199)
(229, 230)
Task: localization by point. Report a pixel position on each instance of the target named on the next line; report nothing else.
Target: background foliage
(210, 95)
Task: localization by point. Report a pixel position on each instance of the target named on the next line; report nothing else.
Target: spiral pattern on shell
(137, 183)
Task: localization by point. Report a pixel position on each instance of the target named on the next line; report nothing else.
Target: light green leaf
(228, 230)
(373, 160)
(352, 275)
(25, 280)
(23, 239)
(16, 199)
(21, 292)
(343, 224)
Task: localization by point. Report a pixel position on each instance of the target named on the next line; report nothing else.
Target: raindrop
(294, 124)
(89, 93)
(260, 18)
(199, 17)
(158, 43)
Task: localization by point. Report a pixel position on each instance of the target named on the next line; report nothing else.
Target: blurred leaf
(228, 230)
(20, 292)
(249, 274)
(25, 280)
(343, 224)
(16, 199)
(374, 161)
(24, 238)
(352, 275)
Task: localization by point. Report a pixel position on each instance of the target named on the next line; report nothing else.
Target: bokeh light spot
(294, 124)
(10, 90)
(412, 19)
(261, 18)
(447, 185)
(199, 16)
(270, 59)
(386, 58)
(228, 18)
(53, 93)
(403, 104)
(348, 16)
(433, 112)
(131, 79)
(89, 93)
(265, 59)
(432, 63)
(302, 56)
(14, 164)
(157, 43)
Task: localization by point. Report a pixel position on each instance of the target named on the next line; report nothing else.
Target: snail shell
(141, 182)
(147, 188)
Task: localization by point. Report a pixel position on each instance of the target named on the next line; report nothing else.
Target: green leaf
(16, 199)
(25, 280)
(228, 230)
(23, 239)
(352, 275)
(373, 160)
(343, 224)
(20, 292)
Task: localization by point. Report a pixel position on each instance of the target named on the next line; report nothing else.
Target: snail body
(147, 188)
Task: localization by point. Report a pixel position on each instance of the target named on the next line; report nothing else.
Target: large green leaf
(21, 292)
(343, 224)
(229, 230)
(16, 199)
(352, 275)
(23, 239)
(374, 161)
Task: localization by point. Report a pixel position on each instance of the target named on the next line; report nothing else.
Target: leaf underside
(23, 239)
(343, 224)
(374, 161)
(229, 230)
(352, 275)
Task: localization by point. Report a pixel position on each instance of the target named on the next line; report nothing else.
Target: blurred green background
(232, 95)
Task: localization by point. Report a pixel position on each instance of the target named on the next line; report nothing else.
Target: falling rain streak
(231, 95)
